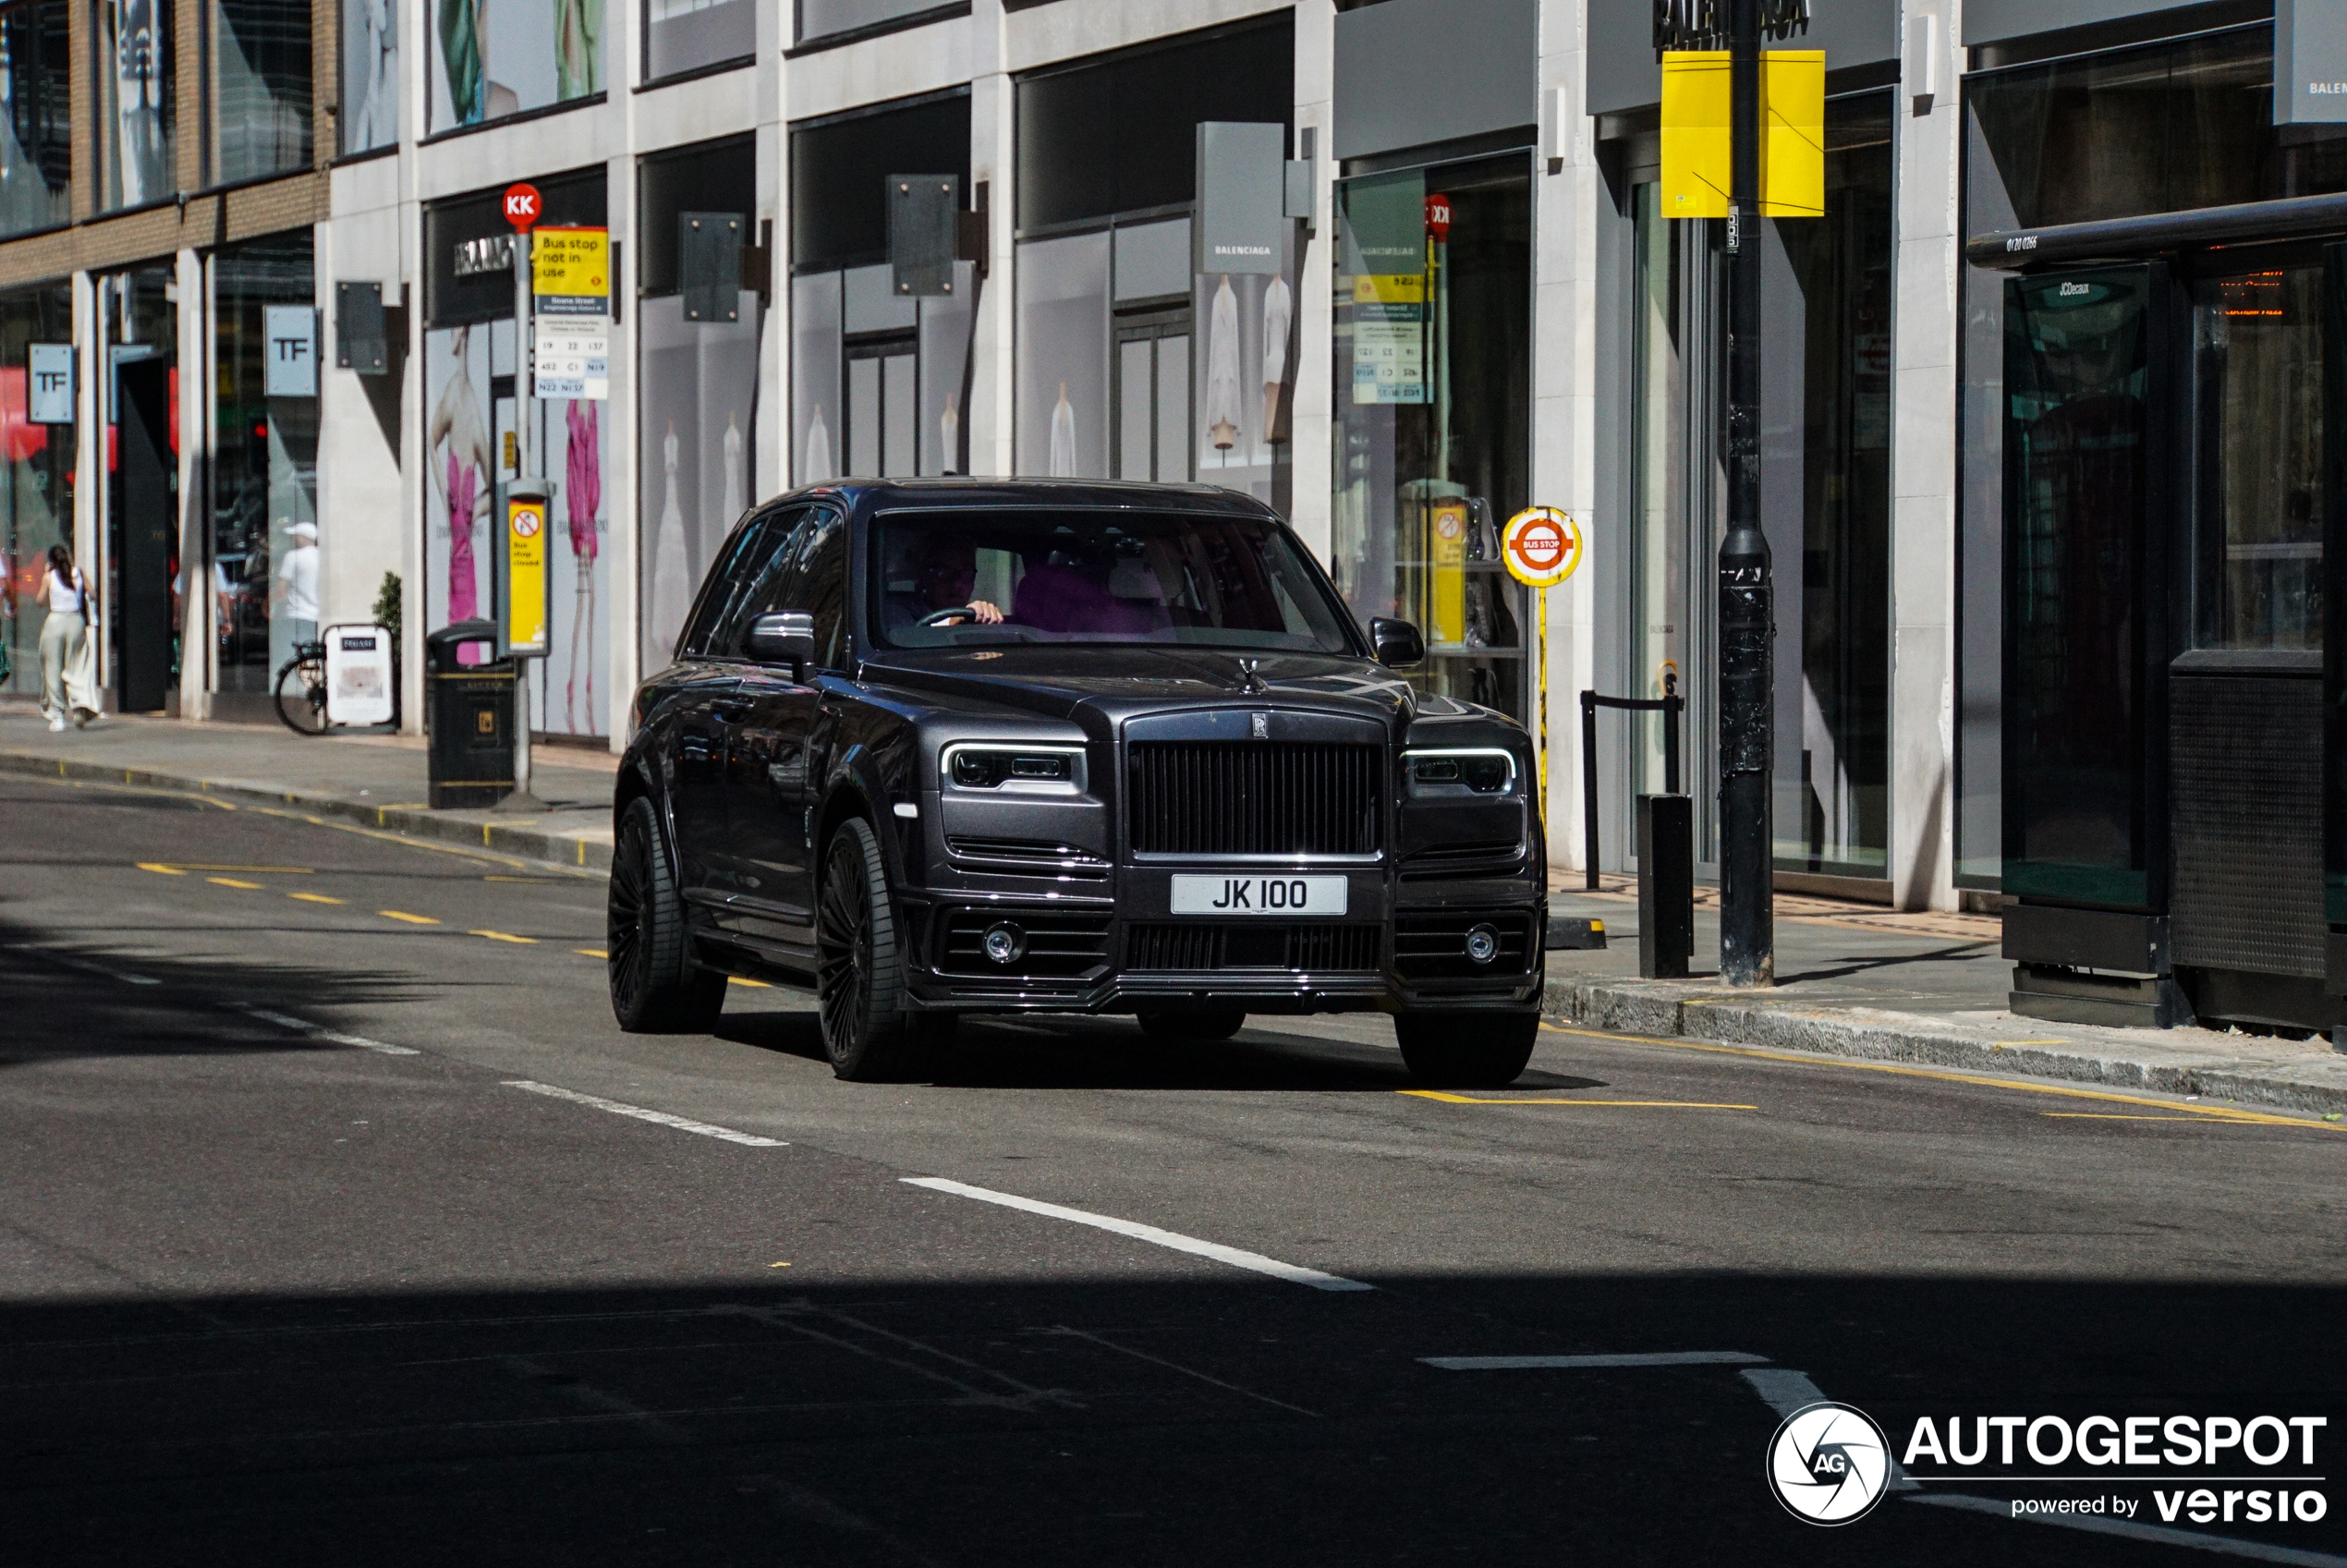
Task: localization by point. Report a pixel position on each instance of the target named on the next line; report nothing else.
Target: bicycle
(301, 689)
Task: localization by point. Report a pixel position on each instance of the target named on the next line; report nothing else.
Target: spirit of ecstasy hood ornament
(1251, 678)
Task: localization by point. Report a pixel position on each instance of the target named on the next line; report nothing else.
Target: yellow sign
(570, 269)
(1446, 556)
(526, 629)
(1541, 546)
(1697, 143)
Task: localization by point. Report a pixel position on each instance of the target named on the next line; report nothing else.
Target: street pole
(1747, 909)
(524, 468)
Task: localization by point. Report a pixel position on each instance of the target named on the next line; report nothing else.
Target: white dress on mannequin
(1222, 411)
(816, 467)
(672, 595)
(734, 503)
(1278, 313)
(1063, 456)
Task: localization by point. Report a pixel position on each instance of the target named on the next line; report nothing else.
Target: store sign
(49, 383)
(2310, 62)
(289, 346)
(358, 675)
(1242, 196)
(570, 289)
(1386, 252)
(477, 258)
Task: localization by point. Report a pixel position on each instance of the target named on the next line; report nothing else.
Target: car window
(809, 573)
(744, 573)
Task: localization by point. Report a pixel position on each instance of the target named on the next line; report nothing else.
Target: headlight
(1480, 771)
(1053, 769)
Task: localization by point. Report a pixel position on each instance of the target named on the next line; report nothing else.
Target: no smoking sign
(1541, 546)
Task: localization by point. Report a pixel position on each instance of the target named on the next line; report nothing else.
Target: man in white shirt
(294, 593)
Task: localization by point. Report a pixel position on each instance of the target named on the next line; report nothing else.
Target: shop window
(696, 461)
(36, 152)
(370, 116)
(136, 103)
(264, 468)
(1433, 402)
(828, 18)
(490, 61)
(1062, 381)
(260, 88)
(691, 35)
(37, 509)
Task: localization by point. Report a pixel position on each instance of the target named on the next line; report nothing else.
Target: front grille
(1433, 947)
(1254, 797)
(1315, 949)
(1062, 944)
(1029, 856)
(1451, 860)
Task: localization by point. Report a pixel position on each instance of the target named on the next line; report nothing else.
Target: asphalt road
(311, 1249)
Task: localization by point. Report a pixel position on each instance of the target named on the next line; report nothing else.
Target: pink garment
(464, 592)
(583, 462)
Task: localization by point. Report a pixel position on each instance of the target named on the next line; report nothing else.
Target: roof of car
(869, 495)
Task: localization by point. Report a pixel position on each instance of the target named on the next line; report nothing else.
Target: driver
(947, 573)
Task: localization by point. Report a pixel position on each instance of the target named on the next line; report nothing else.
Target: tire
(301, 695)
(1192, 1028)
(870, 1032)
(656, 989)
(1466, 1050)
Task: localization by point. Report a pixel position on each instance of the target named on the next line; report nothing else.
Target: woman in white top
(65, 684)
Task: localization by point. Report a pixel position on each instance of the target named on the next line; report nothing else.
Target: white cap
(304, 530)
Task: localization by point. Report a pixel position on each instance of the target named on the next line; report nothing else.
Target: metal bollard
(1666, 885)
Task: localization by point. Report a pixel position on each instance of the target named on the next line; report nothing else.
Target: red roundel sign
(521, 205)
(1541, 546)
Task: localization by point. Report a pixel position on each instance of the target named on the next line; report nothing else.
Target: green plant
(388, 600)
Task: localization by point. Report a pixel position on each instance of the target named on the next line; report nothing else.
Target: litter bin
(471, 706)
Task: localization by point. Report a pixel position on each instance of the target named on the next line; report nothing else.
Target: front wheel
(1466, 1050)
(655, 986)
(870, 1032)
(302, 691)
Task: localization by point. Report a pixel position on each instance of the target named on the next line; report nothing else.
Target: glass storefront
(489, 62)
(260, 109)
(691, 35)
(138, 97)
(2153, 128)
(36, 125)
(39, 476)
(1432, 413)
(264, 468)
(370, 116)
(698, 387)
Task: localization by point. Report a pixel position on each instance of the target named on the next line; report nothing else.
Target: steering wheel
(955, 612)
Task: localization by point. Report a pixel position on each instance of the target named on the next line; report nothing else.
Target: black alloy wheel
(870, 1030)
(655, 986)
(1192, 1028)
(1466, 1050)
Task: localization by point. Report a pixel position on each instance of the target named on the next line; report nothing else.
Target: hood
(1055, 680)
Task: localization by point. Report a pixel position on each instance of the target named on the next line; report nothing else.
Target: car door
(771, 795)
(701, 707)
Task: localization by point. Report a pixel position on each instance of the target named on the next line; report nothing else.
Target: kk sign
(49, 378)
(289, 351)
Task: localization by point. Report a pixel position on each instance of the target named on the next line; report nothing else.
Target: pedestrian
(294, 595)
(68, 683)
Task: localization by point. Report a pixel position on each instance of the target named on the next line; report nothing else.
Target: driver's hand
(985, 613)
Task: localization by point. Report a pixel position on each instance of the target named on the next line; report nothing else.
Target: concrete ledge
(586, 847)
(2248, 1071)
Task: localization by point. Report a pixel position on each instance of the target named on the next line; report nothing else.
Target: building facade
(1475, 303)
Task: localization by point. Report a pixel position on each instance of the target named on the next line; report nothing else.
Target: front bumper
(1112, 945)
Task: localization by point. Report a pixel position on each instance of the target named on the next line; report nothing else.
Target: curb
(570, 851)
(1888, 1037)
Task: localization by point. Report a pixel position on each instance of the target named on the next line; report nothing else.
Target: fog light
(1004, 942)
(1483, 943)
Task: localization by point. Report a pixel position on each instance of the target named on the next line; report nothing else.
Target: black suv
(963, 746)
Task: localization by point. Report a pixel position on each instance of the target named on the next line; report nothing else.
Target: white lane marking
(1786, 1390)
(123, 975)
(319, 1031)
(1293, 1273)
(1649, 1359)
(621, 1108)
(2255, 1550)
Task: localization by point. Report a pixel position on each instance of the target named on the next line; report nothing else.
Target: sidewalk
(1853, 980)
(375, 780)
(1930, 987)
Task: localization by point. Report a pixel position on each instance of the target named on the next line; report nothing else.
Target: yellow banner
(1696, 143)
(571, 264)
(526, 629)
(1388, 288)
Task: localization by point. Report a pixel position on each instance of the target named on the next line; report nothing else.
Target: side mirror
(787, 637)
(1396, 643)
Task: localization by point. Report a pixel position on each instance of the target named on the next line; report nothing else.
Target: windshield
(1170, 577)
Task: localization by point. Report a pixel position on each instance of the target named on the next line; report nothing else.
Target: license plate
(1261, 895)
